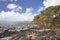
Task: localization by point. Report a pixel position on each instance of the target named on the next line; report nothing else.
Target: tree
(49, 18)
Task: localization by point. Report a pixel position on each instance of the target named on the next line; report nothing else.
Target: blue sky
(35, 4)
(23, 10)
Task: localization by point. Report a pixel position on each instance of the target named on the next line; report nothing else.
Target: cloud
(16, 16)
(28, 10)
(13, 6)
(48, 3)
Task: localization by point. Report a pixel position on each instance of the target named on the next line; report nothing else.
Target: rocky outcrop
(32, 34)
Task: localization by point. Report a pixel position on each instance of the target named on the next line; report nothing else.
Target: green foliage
(49, 18)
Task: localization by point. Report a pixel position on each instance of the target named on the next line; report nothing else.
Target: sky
(23, 10)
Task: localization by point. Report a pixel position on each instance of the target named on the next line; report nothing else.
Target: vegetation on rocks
(49, 17)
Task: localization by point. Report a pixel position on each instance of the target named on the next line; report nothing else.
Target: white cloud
(14, 7)
(11, 6)
(48, 3)
(13, 16)
(17, 9)
(28, 10)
